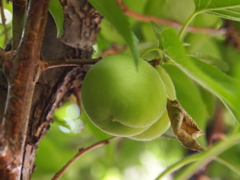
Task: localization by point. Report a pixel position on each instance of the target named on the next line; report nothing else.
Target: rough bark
(21, 71)
(50, 89)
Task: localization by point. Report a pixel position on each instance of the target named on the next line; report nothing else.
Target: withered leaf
(183, 126)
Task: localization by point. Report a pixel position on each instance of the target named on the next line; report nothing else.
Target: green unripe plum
(161, 126)
(154, 131)
(122, 99)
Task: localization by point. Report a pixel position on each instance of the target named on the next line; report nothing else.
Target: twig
(148, 18)
(53, 63)
(81, 152)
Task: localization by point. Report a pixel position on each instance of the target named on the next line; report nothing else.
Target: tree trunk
(30, 96)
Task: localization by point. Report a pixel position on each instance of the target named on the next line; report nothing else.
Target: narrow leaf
(219, 64)
(204, 74)
(222, 8)
(113, 13)
(56, 11)
(184, 127)
(232, 166)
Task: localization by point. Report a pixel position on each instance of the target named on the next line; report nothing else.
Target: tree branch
(21, 71)
(19, 15)
(62, 62)
(147, 18)
(81, 152)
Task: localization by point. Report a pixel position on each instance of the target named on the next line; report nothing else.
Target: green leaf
(215, 4)
(204, 74)
(221, 8)
(219, 64)
(56, 11)
(209, 101)
(157, 31)
(232, 166)
(114, 36)
(113, 13)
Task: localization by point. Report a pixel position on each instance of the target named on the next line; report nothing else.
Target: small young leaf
(157, 31)
(184, 127)
(56, 11)
(221, 8)
(113, 13)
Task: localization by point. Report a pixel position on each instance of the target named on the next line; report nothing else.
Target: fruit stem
(186, 24)
(150, 50)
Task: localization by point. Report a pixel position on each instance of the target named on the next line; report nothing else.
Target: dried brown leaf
(184, 127)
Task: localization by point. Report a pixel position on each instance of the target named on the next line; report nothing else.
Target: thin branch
(62, 62)
(81, 152)
(148, 18)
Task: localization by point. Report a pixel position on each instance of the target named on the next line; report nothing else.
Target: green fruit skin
(122, 99)
(154, 131)
(170, 89)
